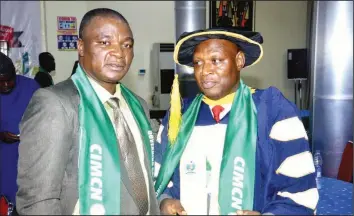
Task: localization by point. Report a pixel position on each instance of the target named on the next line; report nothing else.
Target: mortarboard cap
(247, 41)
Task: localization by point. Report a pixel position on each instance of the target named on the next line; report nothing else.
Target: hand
(172, 207)
(8, 137)
(247, 212)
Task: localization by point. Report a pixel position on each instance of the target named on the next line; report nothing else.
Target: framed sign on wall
(67, 35)
(231, 13)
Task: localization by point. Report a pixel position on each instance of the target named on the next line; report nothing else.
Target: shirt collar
(102, 93)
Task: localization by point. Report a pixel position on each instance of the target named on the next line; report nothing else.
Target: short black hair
(7, 67)
(98, 12)
(45, 56)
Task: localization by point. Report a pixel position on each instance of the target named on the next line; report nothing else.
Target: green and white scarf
(237, 172)
(99, 163)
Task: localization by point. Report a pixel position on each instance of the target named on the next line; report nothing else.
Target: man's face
(217, 65)
(106, 49)
(7, 83)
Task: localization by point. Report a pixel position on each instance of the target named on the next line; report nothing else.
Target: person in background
(46, 66)
(15, 94)
(235, 149)
(87, 145)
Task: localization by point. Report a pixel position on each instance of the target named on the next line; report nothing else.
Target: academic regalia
(284, 173)
(281, 136)
(12, 107)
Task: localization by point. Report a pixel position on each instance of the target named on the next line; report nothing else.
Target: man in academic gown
(234, 149)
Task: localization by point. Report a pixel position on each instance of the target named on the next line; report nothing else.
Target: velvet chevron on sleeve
(285, 173)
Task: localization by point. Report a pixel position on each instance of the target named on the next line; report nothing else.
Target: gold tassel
(175, 111)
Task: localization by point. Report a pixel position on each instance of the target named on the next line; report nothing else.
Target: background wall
(64, 59)
(23, 17)
(282, 24)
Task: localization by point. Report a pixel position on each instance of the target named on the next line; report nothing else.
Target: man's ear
(80, 47)
(240, 60)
